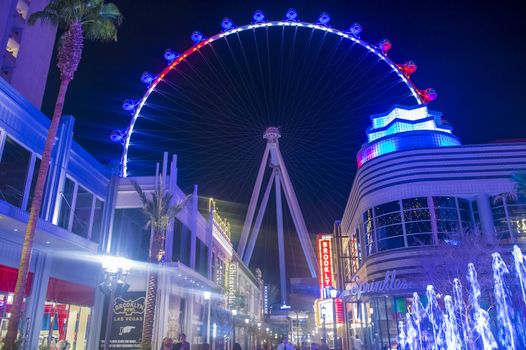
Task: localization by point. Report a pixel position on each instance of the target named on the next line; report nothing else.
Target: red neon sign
(325, 263)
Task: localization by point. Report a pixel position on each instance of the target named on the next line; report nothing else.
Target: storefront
(66, 311)
(375, 308)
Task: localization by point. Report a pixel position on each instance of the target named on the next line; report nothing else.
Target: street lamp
(115, 272)
(324, 330)
(234, 313)
(207, 295)
(334, 294)
(247, 338)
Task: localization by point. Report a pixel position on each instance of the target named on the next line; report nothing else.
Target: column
(160, 324)
(486, 217)
(95, 321)
(193, 218)
(57, 170)
(34, 310)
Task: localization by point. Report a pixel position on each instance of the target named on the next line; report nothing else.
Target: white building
(418, 188)
(89, 211)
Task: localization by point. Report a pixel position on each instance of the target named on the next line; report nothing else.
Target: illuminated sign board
(390, 284)
(325, 312)
(325, 265)
(232, 283)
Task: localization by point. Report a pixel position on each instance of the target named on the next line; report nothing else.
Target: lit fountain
(453, 324)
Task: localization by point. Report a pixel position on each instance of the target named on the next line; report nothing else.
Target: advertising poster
(126, 321)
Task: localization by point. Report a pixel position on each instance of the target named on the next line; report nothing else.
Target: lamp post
(334, 294)
(234, 313)
(115, 272)
(297, 329)
(258, 334)
(247, 338)
(324, 330)
(208, 296)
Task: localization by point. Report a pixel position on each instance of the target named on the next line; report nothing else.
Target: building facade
(414, 199)
(89, 212)
(25, 60)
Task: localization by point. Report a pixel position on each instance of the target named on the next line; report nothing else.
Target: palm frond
(44, 16)
(99, 20)
(158, 208)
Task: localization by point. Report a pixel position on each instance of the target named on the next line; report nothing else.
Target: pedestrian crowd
(182, 344)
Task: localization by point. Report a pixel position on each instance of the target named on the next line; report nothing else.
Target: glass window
(391, 243)
(517, 217)
(66, 205)
(444, 202)
(448, 224)
(201, 257)
(33, 184)
(476, 217)
(387, 208)
(417, 215)
(415, 203)
(130, 236)
(418, 227)
(82, 216)
(388, 219)
(97, 221)
(419, 240)
(14, 166)
(64, 322)
(499, 217)
(182, 242)
(389, 231)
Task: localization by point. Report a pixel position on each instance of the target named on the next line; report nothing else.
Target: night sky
(471, 52)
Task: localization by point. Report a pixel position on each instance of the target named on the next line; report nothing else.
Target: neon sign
(325, 266)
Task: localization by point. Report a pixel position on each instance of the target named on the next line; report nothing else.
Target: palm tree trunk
(151, 292)
(149, 309)
(36, 204)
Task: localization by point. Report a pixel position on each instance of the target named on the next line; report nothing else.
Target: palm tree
(79, 20)
(159, 211)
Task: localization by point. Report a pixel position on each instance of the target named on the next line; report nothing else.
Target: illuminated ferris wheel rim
(421, 96)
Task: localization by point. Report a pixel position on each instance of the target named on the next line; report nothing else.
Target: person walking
(323, 345)
(285, 345)
(236, 346)
(182, 344)
(358, 345)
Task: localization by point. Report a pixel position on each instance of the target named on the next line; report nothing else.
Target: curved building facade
(406, 207)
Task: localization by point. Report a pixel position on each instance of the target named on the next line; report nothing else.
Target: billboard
(325, 265)
(126, 321)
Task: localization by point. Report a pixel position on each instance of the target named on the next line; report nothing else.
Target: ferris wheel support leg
(259, 218)
(281, 243)
(252, 205)
(297, 217)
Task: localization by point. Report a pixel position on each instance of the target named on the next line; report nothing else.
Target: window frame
(94, 198)
(30, 169)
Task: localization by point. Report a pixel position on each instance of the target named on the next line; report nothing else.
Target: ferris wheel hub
(272, 134)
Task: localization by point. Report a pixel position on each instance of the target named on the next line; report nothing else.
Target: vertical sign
(325, 265)
(126, 322)
(232, 283)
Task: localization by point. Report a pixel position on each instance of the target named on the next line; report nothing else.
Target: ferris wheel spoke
(228, 78)
(300, 78)
(210, 91)
(262, 80)
(253, 83)
(315, 57)
(242, 79)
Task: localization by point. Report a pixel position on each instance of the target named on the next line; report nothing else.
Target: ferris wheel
(190, 65)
